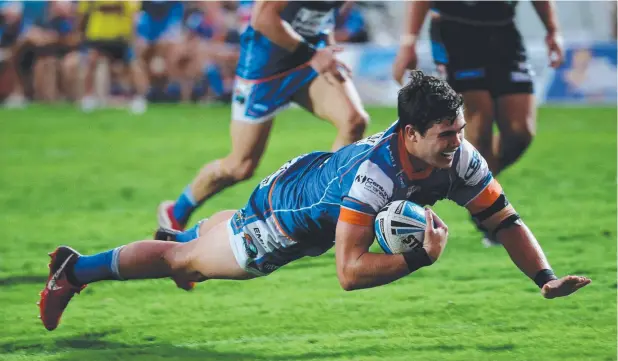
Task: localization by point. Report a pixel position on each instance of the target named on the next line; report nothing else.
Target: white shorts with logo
(257, 101)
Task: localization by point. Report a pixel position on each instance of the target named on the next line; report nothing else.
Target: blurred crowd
(103, 53)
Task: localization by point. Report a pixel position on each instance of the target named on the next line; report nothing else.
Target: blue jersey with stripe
(261, 58)
(307, 194)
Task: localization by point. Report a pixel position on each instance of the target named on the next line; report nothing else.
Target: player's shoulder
(468, 164)
(373, 178)
(377, 149)
(378, 141)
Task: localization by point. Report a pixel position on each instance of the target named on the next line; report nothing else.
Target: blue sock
(189, 234)
(185, 205)
(98, 267)
(215, 80)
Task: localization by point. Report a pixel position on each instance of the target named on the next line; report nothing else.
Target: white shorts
(260, 248)
(257, 101)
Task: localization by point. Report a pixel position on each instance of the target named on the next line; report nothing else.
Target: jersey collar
(405, 163)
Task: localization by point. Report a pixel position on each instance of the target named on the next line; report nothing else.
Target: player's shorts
(114, 49)
(256, 101)
(482, 57)
(259, 243)
(169, 28)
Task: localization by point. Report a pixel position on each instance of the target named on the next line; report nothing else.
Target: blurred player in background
(159, 33)
(323, 199)
(284, 58)
(350, 27)
(480, 49)
(205, 51)
(108, 29)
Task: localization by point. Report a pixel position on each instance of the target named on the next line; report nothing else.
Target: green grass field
(94, 181)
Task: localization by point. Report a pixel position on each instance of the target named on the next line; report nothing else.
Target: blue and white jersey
(260, 58)
(308, 195)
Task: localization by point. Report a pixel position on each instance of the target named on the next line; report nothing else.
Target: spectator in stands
(109, 27)
(38, 36)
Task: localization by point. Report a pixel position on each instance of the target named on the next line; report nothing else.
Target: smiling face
(437, 146)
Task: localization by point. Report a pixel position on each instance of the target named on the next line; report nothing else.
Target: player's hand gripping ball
(400, 227)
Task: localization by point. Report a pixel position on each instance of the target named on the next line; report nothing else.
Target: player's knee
(240, 170)
(520, 137)
(514, 144)
(176, 260)
(355, 125)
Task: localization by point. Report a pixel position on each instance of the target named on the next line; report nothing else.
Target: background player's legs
(141, 56)
(248, 144)
(516, 118)
(479, 114)
(337, 102)
(137, 74)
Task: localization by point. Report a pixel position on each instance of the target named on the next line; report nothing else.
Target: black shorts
(482, 57)
(114, 49)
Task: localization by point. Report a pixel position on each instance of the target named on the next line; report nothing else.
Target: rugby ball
(400, 227)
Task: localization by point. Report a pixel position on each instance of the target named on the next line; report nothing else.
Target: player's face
(438, 146)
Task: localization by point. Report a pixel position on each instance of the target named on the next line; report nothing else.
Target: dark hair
(426, 100)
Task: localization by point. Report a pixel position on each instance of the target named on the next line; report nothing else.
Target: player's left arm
(482, 195)
(493, 211)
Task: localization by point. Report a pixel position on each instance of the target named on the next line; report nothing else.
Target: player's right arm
(266, 19)
(416, 11)
(370, 189)
(357, 268)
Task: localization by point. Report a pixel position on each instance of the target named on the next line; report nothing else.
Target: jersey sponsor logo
(238, 219)
(371, 185)
(391, 155)
(241, 90)
(309, 22)
(412, 189)
(259, 107)
(520, 76)
(258, 235)
(250, 247)
(473, 167)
